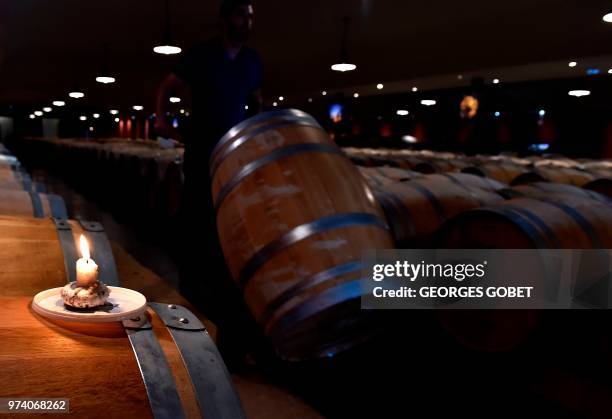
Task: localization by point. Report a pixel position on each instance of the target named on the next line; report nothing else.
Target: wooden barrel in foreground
(415, 210)
(158, 367)
(31, 204)
(294, 215)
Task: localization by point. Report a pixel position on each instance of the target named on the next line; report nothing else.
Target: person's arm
(171, 86)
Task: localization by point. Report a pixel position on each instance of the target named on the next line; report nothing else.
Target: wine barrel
(566, 222)
(32, 204)
(539, 189)
(294, 216)
(567, 176)
(162, 366)
(501, 171)
(602, 186)
(415, 210)
(555, 221)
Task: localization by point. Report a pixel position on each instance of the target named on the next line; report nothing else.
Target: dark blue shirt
(220, 87)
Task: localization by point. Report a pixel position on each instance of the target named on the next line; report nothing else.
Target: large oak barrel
(415, 210)
(552, 222)
(294, 216)
(31, 204)
(159, 366)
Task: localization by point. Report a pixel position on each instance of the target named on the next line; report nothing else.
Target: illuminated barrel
(294, 216)
(162, 364)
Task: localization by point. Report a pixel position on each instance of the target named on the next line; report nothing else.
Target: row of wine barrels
(601, 185)
(299, 271)
(32, 204)
(415, 210)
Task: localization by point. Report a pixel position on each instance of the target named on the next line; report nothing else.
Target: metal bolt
(183, 320)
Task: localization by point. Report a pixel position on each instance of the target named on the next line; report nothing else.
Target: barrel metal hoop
(217, 159)
(37, 209)
(580, 220)
(521, 221)
(276, 155)
(154, 368)
(316, 279)
(255, 119)
(64, 233)
(398, 215)
(302, 232)
(27, 185)
(341, 293)
(464, 187)
(102, 251)
(58, 206)
(211, 381)
(437, 205)
(37, 187)
(534, 218)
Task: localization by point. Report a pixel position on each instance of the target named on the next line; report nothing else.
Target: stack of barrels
(146, 367)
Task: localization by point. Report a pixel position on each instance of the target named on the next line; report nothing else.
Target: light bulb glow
(114, 112)
(76, 95)
(343, 67)
(96, 115)
(355, 95)
(167, 50)
(542, 113)
(138, 107)
(38, 113)
(402, 112)
(281, 98)
(32, 116)
(175, 99)
(579, 93)
(572, 64)
(105, 79)
(83, 118)
(428, 102)
(59, 103)
(410, 139)
(380, 86)
(47, 109)
(607, 17)
(495, 81)
(497, 114)
(415, 89)
(117, 119)
(324, 93)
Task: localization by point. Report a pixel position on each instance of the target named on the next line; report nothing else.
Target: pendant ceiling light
(608, 17)
(167, 47)
(344, 64)
(104, 76)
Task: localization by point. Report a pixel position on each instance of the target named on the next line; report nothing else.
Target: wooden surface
(19, 203)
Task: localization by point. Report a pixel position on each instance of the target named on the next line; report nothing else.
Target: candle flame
(84, 247)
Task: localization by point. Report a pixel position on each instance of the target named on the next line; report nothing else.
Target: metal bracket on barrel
(212, 383)
(64, 233)
(154, 368)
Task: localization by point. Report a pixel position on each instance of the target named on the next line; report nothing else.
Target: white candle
(87, 270)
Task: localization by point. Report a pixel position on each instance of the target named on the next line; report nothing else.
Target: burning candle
(87, 270)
